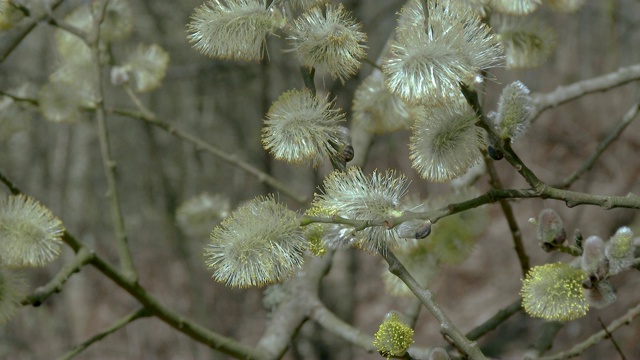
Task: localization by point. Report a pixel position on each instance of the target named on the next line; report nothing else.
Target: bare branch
(83, 257)
(11, 38)
(332, 323)
(177, 321)
(493, 322)
(564, 94)
(447, 327)
(622, 124)
(203, 145)
(625, 319)
(117, 325)
(109, 165)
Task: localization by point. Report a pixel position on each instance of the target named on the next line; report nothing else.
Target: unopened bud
(619, 250)
(414, 229)
(119, 75)
(593, 260)
(551, 231)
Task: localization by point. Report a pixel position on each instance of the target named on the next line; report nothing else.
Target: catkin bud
(514, 108)
(619, 250)
(551, 232)
(593, 257)
(414, 229)
(329, 39)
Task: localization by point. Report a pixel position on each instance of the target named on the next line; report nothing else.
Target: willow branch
(447, 327)
(570, 198)
(625, 319)
(117, 325)
(109, 165)
(613, 341)
(177, 321)
(544, 340)
(203, 145)
(9, 184)
(146, 115)
(501, 316)
(290, 315)
(308, 74)
(328, 320)
(70, 29)
(82, 258)
(507, 210)
(563, 94)
(10, 39)
(17, 98)
(504, 145)
(612, 136)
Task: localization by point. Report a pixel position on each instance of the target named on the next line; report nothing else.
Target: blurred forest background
(224, 103)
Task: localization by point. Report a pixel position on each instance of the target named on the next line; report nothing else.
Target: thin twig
(328, 320)
(504, 145)
(507, 210)
(108, 163)
(117, 325)
(10, 39)
(501, 316)
(413, 312)
(563, 94)
(9, 184)
(625, 319)
(177, 321)
(308, 78)
(544, 339)
(613, 341)
(70, 29)
(571, 199)
(447, 327)
(615, 132)
(203, 145)
(82, 258)
(19, 98)
(144, 114)
(372, 63)
(301, 294)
